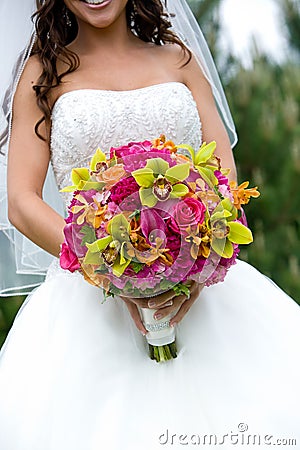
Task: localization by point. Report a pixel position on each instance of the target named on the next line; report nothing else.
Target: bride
(74, 372)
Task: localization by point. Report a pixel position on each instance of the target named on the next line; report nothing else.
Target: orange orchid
(138, 242)
(208, 197)
(153, 253)
(93, 216)
(200, 238)
(180, 159)
(137, 239)
(146, 254)
(96, 217)
(242, 195)
(161, 143)
(206, 237)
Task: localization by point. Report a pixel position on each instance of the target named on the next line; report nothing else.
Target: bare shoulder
(193, 72)
(171, 54)
(30, 75)
(184, 61)
(26, 112)
(33, 65)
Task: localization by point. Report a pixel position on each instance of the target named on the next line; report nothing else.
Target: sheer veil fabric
(23, 265)
(26, 264)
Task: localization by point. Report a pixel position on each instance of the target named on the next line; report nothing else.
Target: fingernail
(143, 332)
(151, 304)
(169, 303)
(172, 324)
(158, 316)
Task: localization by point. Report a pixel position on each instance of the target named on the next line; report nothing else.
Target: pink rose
(188, 211)
(68, 260)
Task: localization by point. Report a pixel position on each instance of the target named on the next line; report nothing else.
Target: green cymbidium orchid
(159, 182)
(226, 231)
(204, 161)
(82, 177)
(111, 249)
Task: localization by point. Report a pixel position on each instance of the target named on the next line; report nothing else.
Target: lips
(93, 2)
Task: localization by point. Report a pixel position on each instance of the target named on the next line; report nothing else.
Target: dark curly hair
(56, 27)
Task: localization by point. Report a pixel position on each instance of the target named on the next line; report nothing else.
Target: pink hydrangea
(214, 269)
(135, 155)
(133, 148)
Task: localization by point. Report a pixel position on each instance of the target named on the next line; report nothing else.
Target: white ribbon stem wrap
(159, 331)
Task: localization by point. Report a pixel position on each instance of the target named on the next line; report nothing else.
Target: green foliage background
(265, 103)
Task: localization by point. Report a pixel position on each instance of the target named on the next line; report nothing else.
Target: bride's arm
(27, 168)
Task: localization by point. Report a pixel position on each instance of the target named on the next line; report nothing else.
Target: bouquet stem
(163, 352)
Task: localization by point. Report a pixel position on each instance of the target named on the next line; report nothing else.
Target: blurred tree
(291, 12)
(8, 310)
(265, 103)
(207, 14)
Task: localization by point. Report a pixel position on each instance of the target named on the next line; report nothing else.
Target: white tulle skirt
(75, 373)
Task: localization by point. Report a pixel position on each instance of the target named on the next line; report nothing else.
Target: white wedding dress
(75, 373)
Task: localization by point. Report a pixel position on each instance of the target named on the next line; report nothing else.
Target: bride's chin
(97, 13)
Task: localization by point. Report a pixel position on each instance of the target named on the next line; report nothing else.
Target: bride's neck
(114, 38)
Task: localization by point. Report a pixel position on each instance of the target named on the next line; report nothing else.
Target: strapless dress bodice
(85, 119)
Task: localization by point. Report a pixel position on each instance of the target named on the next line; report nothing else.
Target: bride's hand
(164, 304)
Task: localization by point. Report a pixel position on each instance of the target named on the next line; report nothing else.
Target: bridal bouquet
(150, 217)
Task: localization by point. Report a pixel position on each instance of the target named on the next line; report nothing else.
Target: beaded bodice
(85, 119)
